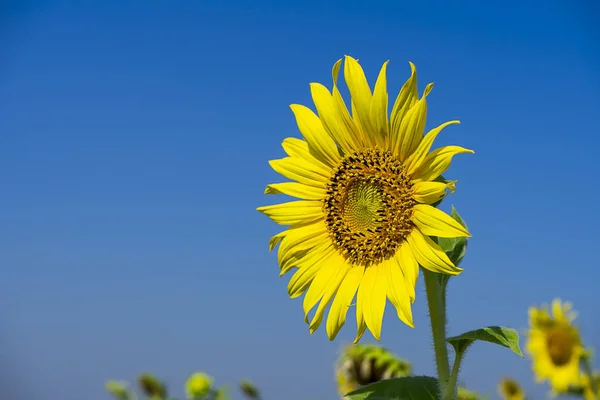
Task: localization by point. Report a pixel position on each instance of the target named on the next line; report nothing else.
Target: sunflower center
(368, 206)
(560, 346)
(511, 388)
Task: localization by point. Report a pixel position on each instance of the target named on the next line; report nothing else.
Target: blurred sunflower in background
(366, 183)
(509, 389)
(555, 346)
(462, 393)
(361, 365)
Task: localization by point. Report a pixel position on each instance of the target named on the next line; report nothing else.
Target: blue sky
(134, 142)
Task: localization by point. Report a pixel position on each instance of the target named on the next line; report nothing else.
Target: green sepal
(406, 388)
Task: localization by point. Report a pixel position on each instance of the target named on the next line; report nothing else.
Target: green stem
(587, 366)
(437, 315)
(451, 388)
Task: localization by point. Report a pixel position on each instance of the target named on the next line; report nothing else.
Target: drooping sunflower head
(554, 345)
(509, 389)
(361, 365)
(366, 182)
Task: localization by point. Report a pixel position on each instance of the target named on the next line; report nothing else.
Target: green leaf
(407, 388)
(507, 337)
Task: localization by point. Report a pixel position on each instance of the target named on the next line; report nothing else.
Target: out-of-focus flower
(462, 393)
(366, 184)
(361, 365)
(198, 385)
(249, 389)
(555, 346)
(151, 386)
(118, 389)
(509, 389)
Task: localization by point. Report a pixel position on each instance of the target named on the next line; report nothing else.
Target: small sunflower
(509, 389)
(366, 183)
(361, 365)
(555, 346)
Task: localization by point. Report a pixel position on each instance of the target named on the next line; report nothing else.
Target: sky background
(134, 141)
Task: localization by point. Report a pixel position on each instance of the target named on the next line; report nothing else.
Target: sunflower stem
(436, 300)
(451, 387)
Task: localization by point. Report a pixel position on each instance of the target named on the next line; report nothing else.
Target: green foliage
(406, 388)
(503, 336)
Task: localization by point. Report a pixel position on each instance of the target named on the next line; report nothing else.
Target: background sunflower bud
(119, 390)
(198, 385)
(249, 389)
(360, 365)
(151, 386)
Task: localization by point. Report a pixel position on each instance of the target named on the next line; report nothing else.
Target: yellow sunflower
(509, 389)
(555, 346)
(366, 183)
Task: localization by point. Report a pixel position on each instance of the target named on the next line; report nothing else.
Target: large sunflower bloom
(555, 346)
(366, 183)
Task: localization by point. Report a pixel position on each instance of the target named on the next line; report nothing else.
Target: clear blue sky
(134, 142)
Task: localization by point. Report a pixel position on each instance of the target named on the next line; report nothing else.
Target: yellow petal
(416, 159)
(293, 212)
(379, 108)
(275, 240)
(319, 284)
(429, 255)
(437, 162)
(359, 92)
(304, 257)
(315, 134)
(397, 293)
(361, 326)
(339, 308)
(372, 295)
(330, 291)
(412, 127)
(409, 267)
(432, 221)
(330, 117)
(300, 238)
(354, 136)
(431, 192)
(407, 97)
(298, 190)
(299, 170)
(298, 148)
(308, 268)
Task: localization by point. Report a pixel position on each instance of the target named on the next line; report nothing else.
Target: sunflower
(366, 184)
(555, 346)
(509, 389)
